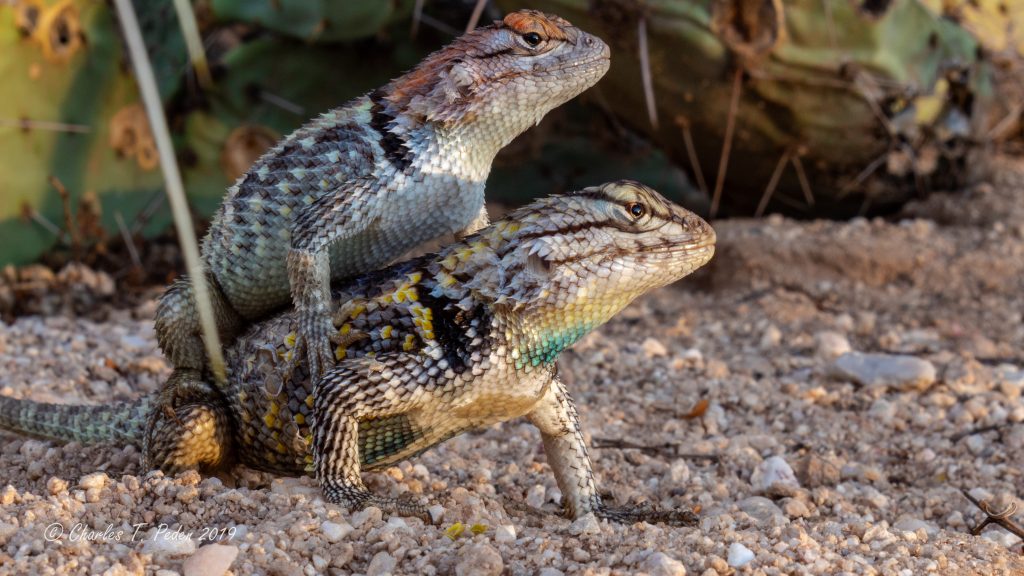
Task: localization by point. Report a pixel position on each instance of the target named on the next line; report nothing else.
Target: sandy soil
(807, 458)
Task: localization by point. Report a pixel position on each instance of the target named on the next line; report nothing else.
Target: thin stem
(730, 126)
(172, 180)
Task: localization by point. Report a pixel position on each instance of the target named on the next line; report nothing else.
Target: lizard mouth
(591, 62)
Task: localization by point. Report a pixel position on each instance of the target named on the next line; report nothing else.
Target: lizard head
(510, 73)
(565, 264)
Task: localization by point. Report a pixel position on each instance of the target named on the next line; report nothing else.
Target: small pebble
(586, 524)
(831, 345)
(661, 564)
(480, 559)
(774, 471)
(535, 497)
(653, 348)
(505, 534)
(381, 564)
(210, 560)
(335, 532)
(169, 543)
(885, 370)
(739, 555)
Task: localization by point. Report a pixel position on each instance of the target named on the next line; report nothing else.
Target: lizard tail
(122, 423)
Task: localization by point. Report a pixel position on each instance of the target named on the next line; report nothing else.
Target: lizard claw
(645, 513)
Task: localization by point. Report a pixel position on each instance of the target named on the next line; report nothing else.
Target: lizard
(457, 340)
(356, 188)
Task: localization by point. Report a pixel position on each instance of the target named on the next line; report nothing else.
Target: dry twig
(668, 449)
(172, 180)
(1003, 519)
(730, 126)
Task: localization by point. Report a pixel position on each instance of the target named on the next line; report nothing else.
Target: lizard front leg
(559, 424)
(309, 274)
(329, 219)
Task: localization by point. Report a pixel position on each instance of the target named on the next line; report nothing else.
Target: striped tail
(122, 423)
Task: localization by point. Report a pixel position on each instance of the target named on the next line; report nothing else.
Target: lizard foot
(184, 385)
(314, 341)
(360, 498)
(644, 513)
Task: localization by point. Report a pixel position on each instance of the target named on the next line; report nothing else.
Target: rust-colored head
(518, 68)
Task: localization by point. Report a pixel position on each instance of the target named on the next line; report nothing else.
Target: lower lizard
(426, 349)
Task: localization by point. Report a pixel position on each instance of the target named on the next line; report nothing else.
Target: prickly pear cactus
(314, 20)
(76, 149)
(829, 107)
(69, 118)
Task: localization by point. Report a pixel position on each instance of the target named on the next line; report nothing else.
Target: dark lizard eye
(532, 38)
(636, 210)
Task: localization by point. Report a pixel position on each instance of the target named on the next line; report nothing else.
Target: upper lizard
(362, 184)
(456, 340)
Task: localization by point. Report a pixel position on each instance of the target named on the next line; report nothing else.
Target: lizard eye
(532, 38)
(636, 210)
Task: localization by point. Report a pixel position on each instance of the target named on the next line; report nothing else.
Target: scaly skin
(358, 187)
(430, 348)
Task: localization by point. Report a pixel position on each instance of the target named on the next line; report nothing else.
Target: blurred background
(809, 108)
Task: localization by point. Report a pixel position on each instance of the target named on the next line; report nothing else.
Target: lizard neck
(538, 336)
(467, 149)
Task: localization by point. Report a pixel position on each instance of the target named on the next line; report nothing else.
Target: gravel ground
(812, 394)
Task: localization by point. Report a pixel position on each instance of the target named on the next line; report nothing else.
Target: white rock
(976, 444)
(693, 356)
(885, 370)
(679, 473)
(436, 513)
(876, 532)
(320, 563)
(398, 523)
(381, 564)
(295, 487)
(979, 493)
(371, 515)
(335, 532)
(739, 555)
(883, 411)
(762, 510)
(95, 480)
(6, 531)
(535, 497)
(1001, 537)
(771, 337)
(550, 572)
(653, 348)
(772, 471)
(586, 524)
(479, 560)
(831, 345)
(210, 560)
(169, 543)
(661, 564)
(505, 534)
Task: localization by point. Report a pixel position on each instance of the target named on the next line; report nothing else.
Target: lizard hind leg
(177, 323)
(337, 463)
(195, 434)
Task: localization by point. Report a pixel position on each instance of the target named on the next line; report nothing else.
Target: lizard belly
(501, 395)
